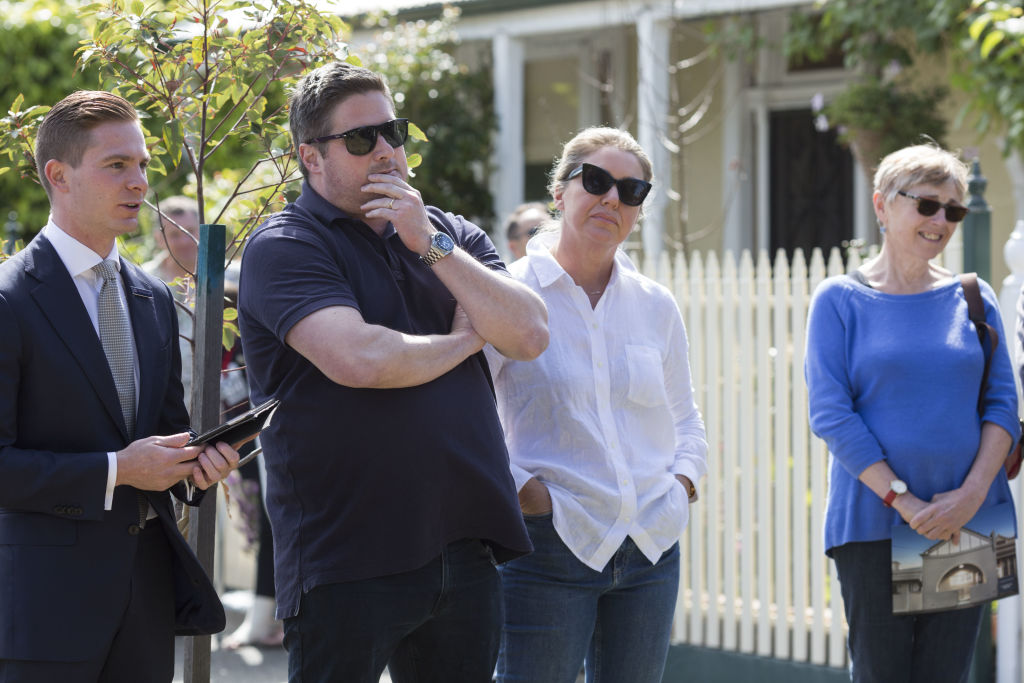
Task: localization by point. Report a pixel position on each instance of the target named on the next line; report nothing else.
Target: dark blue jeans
(884, 648)
(559, 611)
(439, 623)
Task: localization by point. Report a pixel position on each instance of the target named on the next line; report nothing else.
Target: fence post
(206, 412)
(977, 226)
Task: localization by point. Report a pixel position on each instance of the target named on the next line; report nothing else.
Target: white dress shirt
(79, 260)
(605, 417)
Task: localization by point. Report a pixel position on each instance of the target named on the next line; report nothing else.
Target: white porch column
(1010, 637)
(1015, 166)
(1013, 254)
(737, 157)
(507, 181)
(653, 110)
(763, 208)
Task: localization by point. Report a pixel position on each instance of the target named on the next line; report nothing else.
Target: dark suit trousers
(142, 650)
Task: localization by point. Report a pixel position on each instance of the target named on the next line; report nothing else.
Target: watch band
(896, 487)
(433, 255)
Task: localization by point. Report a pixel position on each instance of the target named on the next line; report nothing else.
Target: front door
(811, 181)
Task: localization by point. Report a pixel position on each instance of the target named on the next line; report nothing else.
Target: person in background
(364, 312)
(259, 627)
(893, 369)
(177, 241)
(605, 439)
(93, 426)
(522, 224)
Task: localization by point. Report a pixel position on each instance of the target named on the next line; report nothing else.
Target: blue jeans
(560, 612)
(937, 646)
(439, 623)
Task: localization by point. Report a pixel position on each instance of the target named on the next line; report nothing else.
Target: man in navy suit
(95, 579)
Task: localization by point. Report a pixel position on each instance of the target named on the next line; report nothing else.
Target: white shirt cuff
(108, 499)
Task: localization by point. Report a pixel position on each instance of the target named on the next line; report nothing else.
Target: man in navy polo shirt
(389, 487)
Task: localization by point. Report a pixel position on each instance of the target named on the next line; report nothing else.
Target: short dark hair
(178, 205)
(64, 134)
(317, 93)
(512, 222)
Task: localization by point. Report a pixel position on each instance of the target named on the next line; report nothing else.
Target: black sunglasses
(596, 180)
(362, 140)
(929, 207)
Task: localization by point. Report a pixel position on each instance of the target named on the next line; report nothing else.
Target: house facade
(949, 575)
(739, 162)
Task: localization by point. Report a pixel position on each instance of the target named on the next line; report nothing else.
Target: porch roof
(425, 9)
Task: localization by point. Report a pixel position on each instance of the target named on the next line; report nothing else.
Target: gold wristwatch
(440, 246)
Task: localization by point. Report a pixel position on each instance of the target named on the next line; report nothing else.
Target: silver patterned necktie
(116, 337)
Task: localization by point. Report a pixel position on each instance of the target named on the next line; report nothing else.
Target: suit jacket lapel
(142, 309)
(58, 298)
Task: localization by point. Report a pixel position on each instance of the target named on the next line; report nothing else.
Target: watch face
(443, 242)
(899, 487)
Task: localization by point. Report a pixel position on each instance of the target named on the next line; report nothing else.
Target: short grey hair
(925, 164)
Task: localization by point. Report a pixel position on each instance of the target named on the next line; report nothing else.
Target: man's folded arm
(354, 353)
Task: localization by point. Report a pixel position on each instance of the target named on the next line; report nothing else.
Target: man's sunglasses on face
(596, 180)
(362, 140)
(929, 207)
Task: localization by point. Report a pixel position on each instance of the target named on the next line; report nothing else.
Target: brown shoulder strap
(972, 292)
(976, 312)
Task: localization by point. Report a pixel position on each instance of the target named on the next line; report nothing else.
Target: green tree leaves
(452, 104)
(992, 68)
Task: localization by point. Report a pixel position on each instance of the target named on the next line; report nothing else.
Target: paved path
(244, 665)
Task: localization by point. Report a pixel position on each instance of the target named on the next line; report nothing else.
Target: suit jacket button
(134, 530)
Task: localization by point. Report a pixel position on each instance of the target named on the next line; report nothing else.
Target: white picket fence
(754, 577)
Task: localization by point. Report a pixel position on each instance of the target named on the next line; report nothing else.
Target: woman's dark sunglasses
(362, 140)
(596, 180)
(929, 207)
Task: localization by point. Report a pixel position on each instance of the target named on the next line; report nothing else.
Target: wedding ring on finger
(392, 204)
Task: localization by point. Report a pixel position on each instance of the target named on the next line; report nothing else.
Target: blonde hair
(926, 164)
(590, 140)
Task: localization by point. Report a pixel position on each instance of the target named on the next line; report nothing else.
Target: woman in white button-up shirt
(606, 442)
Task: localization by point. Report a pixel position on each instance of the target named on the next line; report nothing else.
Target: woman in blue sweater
(893, 370)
